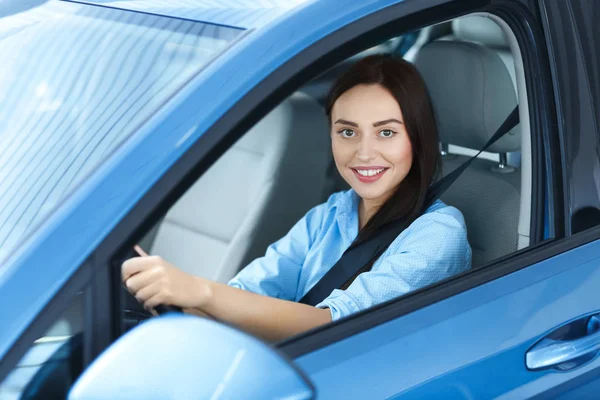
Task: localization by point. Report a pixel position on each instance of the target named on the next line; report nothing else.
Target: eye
(347, 133)
(387, 133)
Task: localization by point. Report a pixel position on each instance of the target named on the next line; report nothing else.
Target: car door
(523, 327)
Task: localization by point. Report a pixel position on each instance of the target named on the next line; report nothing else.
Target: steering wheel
(162, 309)
(133, 313)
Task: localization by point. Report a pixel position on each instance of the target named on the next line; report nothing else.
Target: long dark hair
(405, 83)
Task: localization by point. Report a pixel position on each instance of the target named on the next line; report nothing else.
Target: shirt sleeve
(432, 248)
(277, 273)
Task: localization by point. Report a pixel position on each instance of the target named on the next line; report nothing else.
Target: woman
(385, 146)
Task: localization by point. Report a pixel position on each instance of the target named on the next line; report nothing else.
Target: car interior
(283, 166)
(275, 173)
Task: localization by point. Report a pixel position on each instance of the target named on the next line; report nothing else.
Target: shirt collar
(346, 214)
(345, 207)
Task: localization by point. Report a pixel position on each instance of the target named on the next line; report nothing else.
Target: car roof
(235, 13)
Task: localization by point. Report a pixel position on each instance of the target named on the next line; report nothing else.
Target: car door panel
(585, 386)
(472, 345)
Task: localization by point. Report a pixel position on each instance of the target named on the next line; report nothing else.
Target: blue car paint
(457, 348)
(54, 252)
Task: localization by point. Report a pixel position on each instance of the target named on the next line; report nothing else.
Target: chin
(369, 193)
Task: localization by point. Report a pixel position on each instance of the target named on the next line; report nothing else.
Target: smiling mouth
(369, 175)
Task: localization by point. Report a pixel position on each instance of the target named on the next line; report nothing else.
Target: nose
(366, 150)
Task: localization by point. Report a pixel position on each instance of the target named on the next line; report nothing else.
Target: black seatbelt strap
(355, 257)
(438, 188)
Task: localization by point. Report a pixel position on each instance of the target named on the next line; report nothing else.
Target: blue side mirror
(184, 357)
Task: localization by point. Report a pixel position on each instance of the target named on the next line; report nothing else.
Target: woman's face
(371, 148)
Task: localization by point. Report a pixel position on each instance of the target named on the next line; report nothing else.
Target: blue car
(196, 129)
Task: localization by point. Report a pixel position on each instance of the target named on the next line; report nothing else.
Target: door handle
(552, 353)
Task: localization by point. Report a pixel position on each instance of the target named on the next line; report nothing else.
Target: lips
(369, 174)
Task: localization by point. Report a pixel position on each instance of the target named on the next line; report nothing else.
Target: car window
(76, 81)
(53, 362)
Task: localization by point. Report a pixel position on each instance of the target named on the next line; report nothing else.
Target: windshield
(75, 82)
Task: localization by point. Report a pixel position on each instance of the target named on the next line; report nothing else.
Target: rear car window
(76, 81)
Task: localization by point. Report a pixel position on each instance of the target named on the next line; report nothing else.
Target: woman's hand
(154, 281)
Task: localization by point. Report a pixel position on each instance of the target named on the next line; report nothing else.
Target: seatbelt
(357, 256)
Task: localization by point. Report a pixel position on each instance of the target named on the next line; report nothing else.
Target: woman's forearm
(269, 318)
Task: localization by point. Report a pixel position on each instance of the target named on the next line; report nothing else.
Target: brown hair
(405, 83)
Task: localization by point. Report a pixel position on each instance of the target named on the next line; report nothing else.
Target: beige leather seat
(251, 196)
(473, 91)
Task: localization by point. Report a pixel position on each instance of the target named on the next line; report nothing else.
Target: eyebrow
(343, 121)
(375, 124)
(387, 121)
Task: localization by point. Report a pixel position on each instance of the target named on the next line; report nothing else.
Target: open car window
(255, 192)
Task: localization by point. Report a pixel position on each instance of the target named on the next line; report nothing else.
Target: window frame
(561, 23)
(309, 63)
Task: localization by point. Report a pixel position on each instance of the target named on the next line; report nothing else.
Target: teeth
(369, 172)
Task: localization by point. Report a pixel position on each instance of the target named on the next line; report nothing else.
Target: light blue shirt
(432, 248)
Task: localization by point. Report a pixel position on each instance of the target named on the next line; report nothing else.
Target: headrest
(483, 30)
(472, 93)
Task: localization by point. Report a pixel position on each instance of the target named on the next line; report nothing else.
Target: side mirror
(184, 357)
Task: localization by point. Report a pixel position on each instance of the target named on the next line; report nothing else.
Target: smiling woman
(366, 151)
(384, 142)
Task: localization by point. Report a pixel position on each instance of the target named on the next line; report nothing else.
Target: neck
(366, 210)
